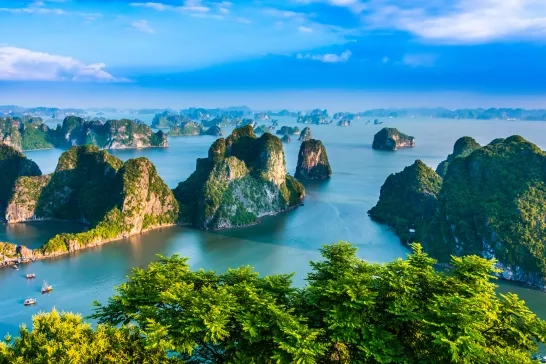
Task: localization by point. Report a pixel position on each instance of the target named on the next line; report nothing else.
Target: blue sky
(407, 51)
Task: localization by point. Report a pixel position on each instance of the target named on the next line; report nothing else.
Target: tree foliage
(351, 311)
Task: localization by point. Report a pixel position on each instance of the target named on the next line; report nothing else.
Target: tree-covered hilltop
(462, 148)
(27, 133)
(242, 179)
(490, 203)
(350, 311)
(13, 164)
(186, 129)
(89, 185)
(408, 199)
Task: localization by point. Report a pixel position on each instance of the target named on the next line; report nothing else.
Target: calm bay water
(334, 210)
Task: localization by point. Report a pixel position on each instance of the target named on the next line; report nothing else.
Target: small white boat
(30, 301)
(15, 266)
(31, 275)
(46, 288)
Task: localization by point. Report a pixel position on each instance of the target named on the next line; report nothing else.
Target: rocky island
(316, 117)
(391, 139)
(489, 203)
(305, 134)
(91, 186)
(242, 179)
(169, 120)
(463, 147)
(313, 161)
(32, 133)
(187, 128)
(288, 130)
(286, 139)
(13, 164)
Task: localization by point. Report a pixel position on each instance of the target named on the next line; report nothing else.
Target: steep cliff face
(13, 164)
(242, 179)
(463, 147)
(10, 134)
(490, 203)
(313, 161)
(391, 139)
(114, 134)
(305, 134)
(117, 199)
(408, 200)
(213, 130)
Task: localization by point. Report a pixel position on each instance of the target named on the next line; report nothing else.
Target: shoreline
(33, 255)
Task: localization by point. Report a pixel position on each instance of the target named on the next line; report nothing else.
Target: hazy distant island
(29, 133)
(489, 203)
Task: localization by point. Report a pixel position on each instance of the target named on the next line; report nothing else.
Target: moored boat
(46, 288)
(30, 301)
(31, 275)
(15, 266)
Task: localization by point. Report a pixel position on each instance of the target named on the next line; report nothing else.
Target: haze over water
(334, 210)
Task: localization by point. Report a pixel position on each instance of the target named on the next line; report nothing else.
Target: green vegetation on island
(316, 117)
(313, 161)
(490, 203)
(91, 186)
(463, 147)
(350, 311)
(242, 179)
(408, 200)
(391, 139)
(169, 120)
(13, 164)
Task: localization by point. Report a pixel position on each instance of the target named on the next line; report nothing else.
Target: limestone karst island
(272, 182)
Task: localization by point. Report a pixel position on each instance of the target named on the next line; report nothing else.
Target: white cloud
(419, 60)
(466, 21)
(305, 29)
(385, 60)
(243, 20)
(20, 64)
(328, 57)
(223, 10)
(192, 6)
(288, 14)
(39, 7)
(143, 26)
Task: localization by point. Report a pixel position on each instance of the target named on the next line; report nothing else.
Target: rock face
(114, 134)
(169, 120)
(186, 129)
(26, 133)
(491, 203)
(463, 147)
(305, 134)
(344, 123)
(117, 199)
(242, 179)
(408, 199)
(214, 131)
(391, 139)
(313, 161)
(288, 130)
(286, 139)
(13, 164)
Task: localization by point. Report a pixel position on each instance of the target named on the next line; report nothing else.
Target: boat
(31, 275)
(30, 301)
(46, 288)
(15, 266)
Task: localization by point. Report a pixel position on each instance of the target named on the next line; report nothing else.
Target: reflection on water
(334, 210)
(34, 234)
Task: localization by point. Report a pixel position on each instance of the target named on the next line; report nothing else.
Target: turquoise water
(334, 210)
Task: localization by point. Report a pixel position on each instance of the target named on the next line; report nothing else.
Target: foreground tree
(65, 338)
(351, 311)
